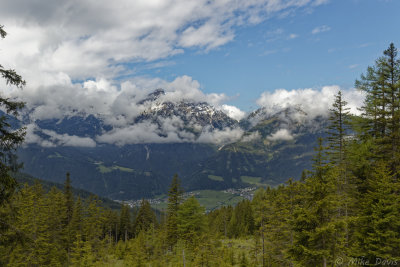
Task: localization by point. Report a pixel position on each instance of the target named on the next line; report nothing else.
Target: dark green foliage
(191, 221)
(23, 178)
(218, 221)
(382, 108)
(145, 218)
(69, 198)
(338, 130)
(378, 234)
(314, 222)
(242, 220)
(125, 223)
(174, 201)
(10, 138)
(75, 226)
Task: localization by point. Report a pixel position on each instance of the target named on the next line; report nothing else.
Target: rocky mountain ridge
(207, 148)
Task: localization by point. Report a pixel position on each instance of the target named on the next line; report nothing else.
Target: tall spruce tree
(11, 136)
(339, 124)
(373, 83)
(125, 223)
(377, 235)
(145, 218)
(174, 201)
(69, 198)
(391, 65)
(191, 221)
(314, 225)
(381, 110)
(338, 133)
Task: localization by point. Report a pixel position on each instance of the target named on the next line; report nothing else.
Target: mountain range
(201, 143)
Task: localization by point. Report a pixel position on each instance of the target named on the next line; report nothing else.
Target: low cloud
(119, 106)
(32, 137)
(69, 140)
(251, 137)
(35, 135)
(281, 135)
(312, 101)
(233, 112)
(147, 132)
(227, 135)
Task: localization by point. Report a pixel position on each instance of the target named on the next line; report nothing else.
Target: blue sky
(284, 53)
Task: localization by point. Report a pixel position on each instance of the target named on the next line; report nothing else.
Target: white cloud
(312, 101)
(169, 132)
(86, 38)
(321, 29)
(292, 36)
(71, 53)
(224, 136)
(33, 137)
(69, 140)
(281, 134)
(145, 132)
(320, 2)
(119, 108)
(233, 112)
(251, 137)
(117, 104)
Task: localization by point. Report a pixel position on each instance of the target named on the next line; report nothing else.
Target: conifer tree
(69, 198)
(125, 223)
(174, 200)
(93, 224)
(145, 217)
(376, 101)
(191, 221)
(75, 228)
(69, 210)
(111, 222)
(392, 67)
(261, 206)
(377, 233)
(218, 220)
(338, 131)
(339, 123)
(316, 231)
(381, 110)
(55, 215)
(242, 220)
(10, 137)
(76, 224)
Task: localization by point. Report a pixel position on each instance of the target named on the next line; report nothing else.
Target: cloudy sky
(235, 54)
